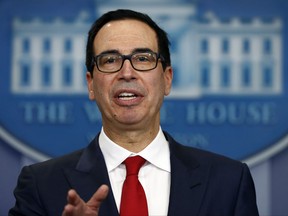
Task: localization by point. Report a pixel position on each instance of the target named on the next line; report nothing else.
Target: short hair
(124, 14)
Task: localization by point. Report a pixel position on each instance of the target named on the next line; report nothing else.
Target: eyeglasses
(140, 61)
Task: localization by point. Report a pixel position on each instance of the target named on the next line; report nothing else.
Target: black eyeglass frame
(128, 57)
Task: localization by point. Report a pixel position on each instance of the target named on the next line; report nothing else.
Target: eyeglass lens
(113, 62)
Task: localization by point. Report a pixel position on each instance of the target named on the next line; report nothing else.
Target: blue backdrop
(229, 91)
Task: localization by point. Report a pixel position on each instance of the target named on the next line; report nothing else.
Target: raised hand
(77, 207)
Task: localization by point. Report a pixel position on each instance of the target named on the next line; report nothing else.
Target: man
(129, 73)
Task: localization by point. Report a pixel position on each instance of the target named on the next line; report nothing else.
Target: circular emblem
(229, 91)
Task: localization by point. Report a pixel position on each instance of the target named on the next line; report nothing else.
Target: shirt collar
(157, 152)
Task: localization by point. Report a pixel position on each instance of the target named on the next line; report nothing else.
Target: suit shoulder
(201, 156)
(208, 156)
(68, 160)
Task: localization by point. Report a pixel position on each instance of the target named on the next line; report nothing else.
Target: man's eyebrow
(137, 50)
(114, 51)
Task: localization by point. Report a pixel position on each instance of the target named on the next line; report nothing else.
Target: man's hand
(77, 207)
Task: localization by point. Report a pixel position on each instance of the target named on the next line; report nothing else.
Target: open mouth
(127, 96)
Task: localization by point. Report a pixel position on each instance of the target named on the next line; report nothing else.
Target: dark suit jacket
(202, 183)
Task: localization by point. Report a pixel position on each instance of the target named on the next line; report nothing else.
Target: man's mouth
(127, 96)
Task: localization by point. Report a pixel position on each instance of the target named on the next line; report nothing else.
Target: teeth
(127, 96)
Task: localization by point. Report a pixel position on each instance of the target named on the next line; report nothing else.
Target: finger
(73, 198)
(68, 210)
(98, 197)
(73, 203)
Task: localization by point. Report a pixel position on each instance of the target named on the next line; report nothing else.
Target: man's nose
(127, 71)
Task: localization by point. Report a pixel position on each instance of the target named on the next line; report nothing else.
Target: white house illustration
(210, 55)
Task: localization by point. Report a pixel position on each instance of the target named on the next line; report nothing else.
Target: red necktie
(133, 199)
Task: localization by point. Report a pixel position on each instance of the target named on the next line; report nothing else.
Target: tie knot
(133, 165)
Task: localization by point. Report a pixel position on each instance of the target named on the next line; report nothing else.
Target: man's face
(128, 99)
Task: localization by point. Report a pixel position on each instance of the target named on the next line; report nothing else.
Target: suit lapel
(188, 181)
(89, 174)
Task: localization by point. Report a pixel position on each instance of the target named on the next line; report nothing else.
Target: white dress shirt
(154, 175)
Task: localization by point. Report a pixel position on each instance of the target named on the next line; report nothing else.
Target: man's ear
(168, 76)
(90, 85)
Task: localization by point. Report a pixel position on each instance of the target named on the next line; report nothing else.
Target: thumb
(98, 197)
